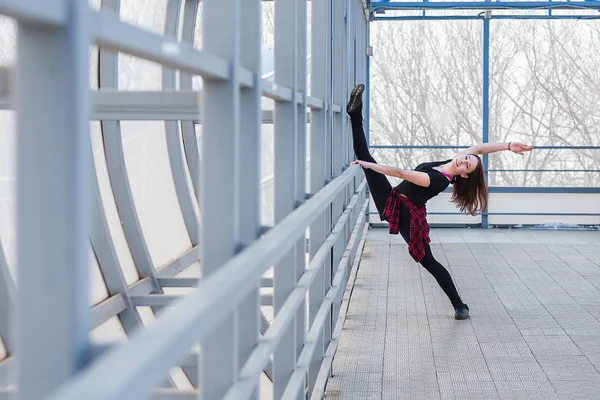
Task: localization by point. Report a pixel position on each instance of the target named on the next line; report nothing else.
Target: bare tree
(427, 90)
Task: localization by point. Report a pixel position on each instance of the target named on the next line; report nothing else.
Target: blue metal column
(486, 105)
(248, 314)
(319, 165)
(286, 174)
(367, 98)
(367, 105)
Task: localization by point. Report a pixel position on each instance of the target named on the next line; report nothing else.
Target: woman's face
(464, 165)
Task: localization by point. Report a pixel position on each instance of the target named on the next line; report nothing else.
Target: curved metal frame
(188, 130)
(230, 67)
(176, 157)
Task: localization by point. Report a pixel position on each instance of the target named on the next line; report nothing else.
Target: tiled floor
(534, 331)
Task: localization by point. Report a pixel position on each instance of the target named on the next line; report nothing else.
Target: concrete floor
(534, 331)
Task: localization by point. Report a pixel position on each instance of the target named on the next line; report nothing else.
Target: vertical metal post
(54, 172)
(286, 174)
(329, 90)
(329, 132)
(300, 155)
(486, 105)
(337, 83)
(339, 149)
(350, 67)
(318, 168)
(220, 186)
(359, 48)
(248, 323)
(367, 98)
(301, 23)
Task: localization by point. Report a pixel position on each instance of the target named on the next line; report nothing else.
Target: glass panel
(526, 12)
(308, 45)
(268, 23)
(426, 83)
(177, 291)
(110, 331)
(198, 28)
(94, 67)
(146, 315)
(110, 208)
(138, 74)
(3, 352)
(267, 166)
(8, 40)
(198, 128)
(7, 151)
(544, 85)
(266, 387)
(153, 190)
(98, 290)
(308, 163)
(193, 271)
(545, 179)
(148, 14)
(575, 12)
(180, 379)
(8, 233)
(561, 167)
(95, 4)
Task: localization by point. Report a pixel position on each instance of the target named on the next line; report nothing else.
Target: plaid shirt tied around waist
(419, 228)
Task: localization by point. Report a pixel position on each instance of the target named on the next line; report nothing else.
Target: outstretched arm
(416, 177)
(487, 148)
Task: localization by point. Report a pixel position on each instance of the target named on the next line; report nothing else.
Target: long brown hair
(471, 195)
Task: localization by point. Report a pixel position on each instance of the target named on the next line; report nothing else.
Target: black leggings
(380, 189)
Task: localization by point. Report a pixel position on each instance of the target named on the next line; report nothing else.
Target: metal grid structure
(483, 11)
(218, 334)
(62, 211)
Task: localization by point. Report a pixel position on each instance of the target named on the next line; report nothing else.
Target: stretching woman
(404, 206)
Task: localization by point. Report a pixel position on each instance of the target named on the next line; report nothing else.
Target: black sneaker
(462, 312)
(355, 103)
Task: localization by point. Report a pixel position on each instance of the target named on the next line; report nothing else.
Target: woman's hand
(519, 148)
(362, 163)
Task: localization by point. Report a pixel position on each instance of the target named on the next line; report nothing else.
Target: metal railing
(61, 210)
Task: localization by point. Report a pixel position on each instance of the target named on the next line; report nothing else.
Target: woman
(404, 206)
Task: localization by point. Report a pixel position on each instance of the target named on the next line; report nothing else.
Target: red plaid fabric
(419, 228)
